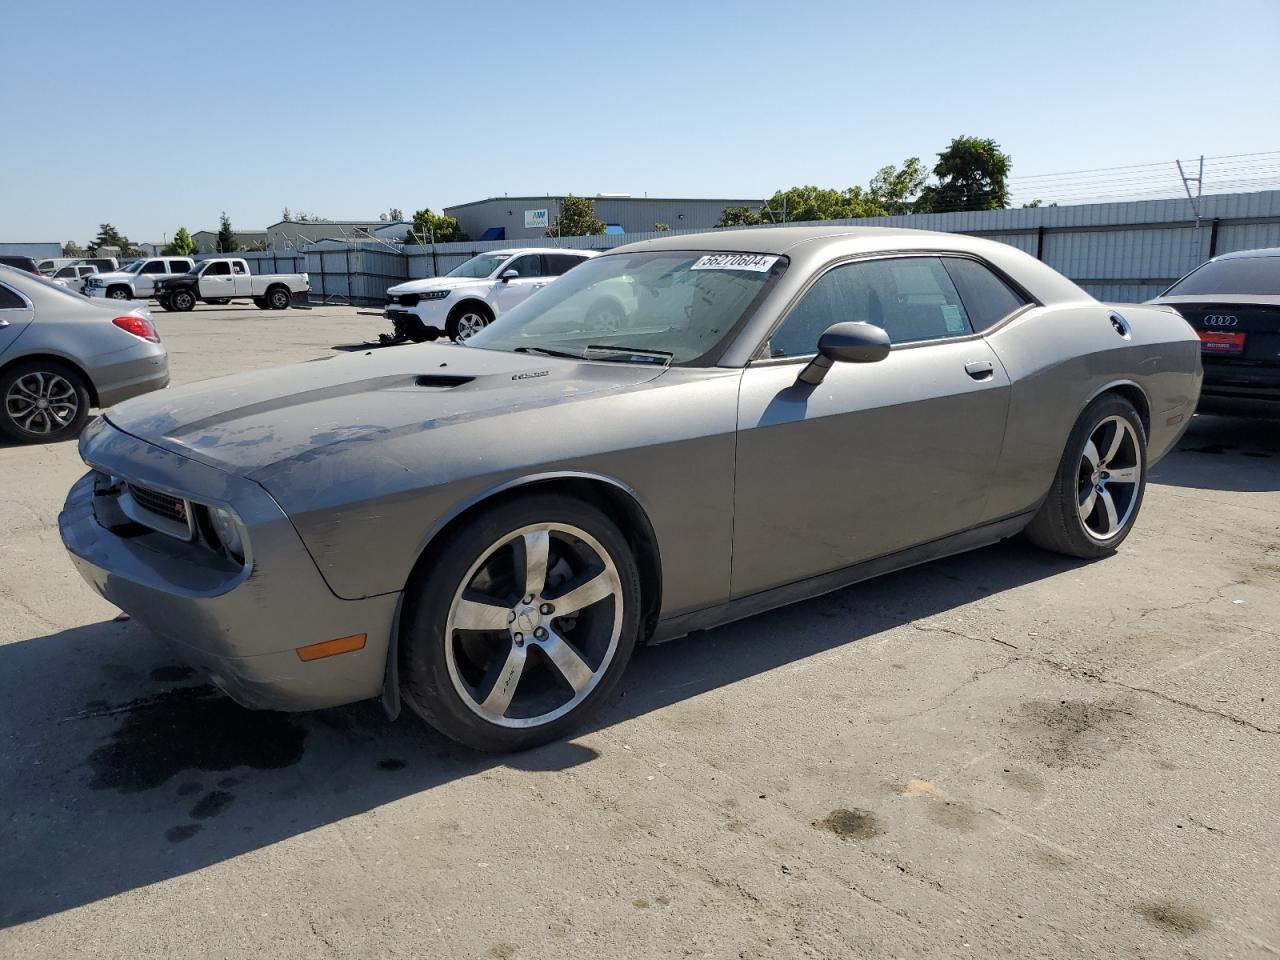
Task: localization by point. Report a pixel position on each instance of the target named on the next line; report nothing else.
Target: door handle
(980, 369)
(3, 322)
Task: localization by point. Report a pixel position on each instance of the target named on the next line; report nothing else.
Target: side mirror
(509, 275)
(845, 343)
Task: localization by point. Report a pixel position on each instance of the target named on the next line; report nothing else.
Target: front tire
(466, 321)
(1098, 489)
(521, 625)
(182, 301)
(119, 293)
(42, 401)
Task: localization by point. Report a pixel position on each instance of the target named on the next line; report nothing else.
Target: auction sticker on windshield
(757, 262)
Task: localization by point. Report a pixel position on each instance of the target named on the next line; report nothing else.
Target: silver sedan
(62, 353)
(484, 532)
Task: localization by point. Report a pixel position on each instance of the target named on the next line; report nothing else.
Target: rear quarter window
(986, 297)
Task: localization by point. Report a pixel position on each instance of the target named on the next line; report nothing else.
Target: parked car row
(178, 283)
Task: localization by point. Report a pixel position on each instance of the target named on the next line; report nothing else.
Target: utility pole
(1198, 180)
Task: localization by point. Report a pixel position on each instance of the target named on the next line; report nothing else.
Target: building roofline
(561, 196)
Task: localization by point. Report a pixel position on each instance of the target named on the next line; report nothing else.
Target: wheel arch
(617, 500)
(58, 359)
(1132, 392)
(470, 301)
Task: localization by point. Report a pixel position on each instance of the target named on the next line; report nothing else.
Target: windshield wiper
(629, 354)
(548, 352)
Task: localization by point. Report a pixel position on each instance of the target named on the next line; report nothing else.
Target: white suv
(469, 297)
(137, 280)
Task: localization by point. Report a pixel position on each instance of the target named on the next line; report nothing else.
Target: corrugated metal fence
(1116, 251)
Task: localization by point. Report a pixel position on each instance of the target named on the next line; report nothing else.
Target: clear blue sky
(156, 115)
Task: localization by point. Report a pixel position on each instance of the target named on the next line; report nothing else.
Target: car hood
(259, 424)
(436, 283)
(114, 275)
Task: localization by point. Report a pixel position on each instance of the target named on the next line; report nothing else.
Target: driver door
(216, 282)
(531, 277)
(880, 456)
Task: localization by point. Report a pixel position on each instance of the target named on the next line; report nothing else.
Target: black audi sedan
(1233, 302)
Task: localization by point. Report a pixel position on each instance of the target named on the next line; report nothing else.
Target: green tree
(182, 245)
(73, 249)
(662, 227)
(896, 189)
(577, 218)
(429, 227)
(739, 217)
(972, 175)
(109, 236)
(227, 242)
(821, 203)
(394, 215)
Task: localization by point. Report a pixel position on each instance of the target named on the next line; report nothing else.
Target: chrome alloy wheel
(471, 323)
(41, 402)
(534, 625)
(1110, 470)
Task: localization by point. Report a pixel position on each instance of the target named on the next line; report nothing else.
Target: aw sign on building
(535, 219)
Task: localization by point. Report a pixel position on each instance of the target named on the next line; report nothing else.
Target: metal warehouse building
(527, 218)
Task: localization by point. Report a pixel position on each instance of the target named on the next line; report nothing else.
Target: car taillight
(139, 327)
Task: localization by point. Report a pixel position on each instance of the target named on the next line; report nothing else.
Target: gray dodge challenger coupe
(674, 435)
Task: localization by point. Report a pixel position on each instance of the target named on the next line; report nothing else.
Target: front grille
(161, 504)
(406, 299)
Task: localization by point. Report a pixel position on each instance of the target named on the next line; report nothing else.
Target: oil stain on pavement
(191, 729)
(855, 824)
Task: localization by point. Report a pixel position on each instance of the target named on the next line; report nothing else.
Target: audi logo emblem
(1220, 320)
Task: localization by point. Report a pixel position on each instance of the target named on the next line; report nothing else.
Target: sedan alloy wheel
(42, 403)
(1110, 470)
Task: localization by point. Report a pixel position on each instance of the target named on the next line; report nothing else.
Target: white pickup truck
(224, 278)
(137, 280)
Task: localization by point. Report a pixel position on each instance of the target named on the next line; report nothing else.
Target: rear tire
(279, 298)
(1098, 489)
(42, 401)
(466, 667)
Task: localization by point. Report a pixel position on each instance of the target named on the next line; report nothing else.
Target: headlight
(433, 295)
(228, 529)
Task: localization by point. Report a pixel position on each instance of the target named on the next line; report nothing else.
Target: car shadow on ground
(1229, 446)
(120, 768)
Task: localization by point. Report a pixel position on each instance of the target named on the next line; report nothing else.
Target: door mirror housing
(509, 275)
(845, 343)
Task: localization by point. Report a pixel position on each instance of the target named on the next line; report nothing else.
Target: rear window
(1256, 276)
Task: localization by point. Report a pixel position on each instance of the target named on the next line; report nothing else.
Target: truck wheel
(261, 303)
(119, 293)
(182, 301)
(279, 298)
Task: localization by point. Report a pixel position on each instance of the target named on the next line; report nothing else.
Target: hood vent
(440, 380)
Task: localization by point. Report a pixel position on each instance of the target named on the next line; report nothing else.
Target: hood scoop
(441, 381)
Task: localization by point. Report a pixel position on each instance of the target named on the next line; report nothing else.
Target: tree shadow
(120, 768)
(1234, 447)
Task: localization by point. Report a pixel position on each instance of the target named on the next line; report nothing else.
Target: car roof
(780, 240)
(1246, 254)
(510, 251)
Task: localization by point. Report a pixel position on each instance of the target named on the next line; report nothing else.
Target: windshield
(480, 266)
(676, 306)
(1258, 276)
(133, 267)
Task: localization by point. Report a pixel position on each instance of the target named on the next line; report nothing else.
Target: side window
(154, 266)
(912, 298)
(10, 300)
(530, 265)
(219, 268)
(555, 264)
(238, 267)
(179, 266)
(987, 298)
(66, 272)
